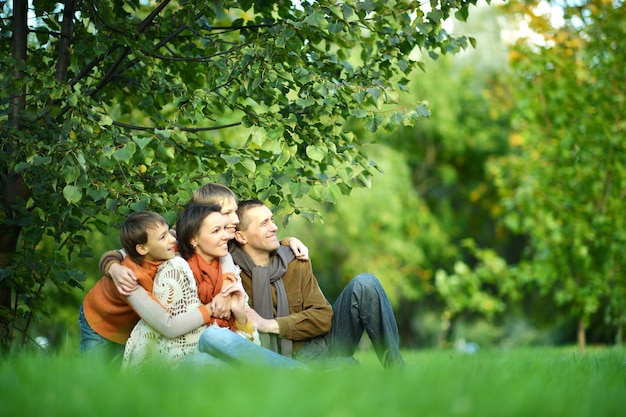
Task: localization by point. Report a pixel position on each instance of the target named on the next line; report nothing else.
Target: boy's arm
(123, 277)
(299, 249)
(153, 313)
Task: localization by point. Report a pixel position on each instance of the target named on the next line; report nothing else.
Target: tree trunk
(12, 187)
(582, 341)
(619, 335)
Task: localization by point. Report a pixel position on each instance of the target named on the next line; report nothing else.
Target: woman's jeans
(220, 345)
(363, 305)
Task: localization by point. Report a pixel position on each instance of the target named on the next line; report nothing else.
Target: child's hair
(212, 193)
(135, 232)
(189, 223)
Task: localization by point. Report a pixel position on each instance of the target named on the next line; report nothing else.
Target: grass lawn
(533, 382)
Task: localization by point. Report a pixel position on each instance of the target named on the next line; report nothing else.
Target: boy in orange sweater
(107, 317)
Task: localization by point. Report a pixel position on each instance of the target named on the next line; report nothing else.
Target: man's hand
(124, 278)
(263, 325)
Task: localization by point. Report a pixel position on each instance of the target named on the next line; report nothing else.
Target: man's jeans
(363, 305)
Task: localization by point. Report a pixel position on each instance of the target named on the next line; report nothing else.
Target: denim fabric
(225, 345)
(92, 343)
(363, 305)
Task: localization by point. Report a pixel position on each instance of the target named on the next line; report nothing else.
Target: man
(289, 306)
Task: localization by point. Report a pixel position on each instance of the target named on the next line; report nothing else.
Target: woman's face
(212, 239)
(229, 210)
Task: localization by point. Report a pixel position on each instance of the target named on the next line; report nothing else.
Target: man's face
(160, 245)
(261, 233)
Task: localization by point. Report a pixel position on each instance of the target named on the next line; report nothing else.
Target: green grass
(533, 382)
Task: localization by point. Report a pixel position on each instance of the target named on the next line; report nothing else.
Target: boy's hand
(298, 248)
(124, 278)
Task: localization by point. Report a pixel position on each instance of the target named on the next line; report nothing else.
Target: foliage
(431, 195)
(112, 107)
(564, 182)
(443, 382)
(483, 289)
(447, 156)
(387, 231)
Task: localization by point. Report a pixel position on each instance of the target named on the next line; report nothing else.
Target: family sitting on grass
(235, 295)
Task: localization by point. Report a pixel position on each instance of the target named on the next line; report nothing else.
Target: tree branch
(183, 129)
(63, 60)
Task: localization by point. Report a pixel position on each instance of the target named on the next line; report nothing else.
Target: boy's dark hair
(244, 206)
(135, 232)
(188, 225)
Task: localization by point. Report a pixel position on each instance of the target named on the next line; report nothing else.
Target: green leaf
(316, 19)
(125, 153)
(262, 182)
(276, 132)
(140, 205)
(317, 152)
(231, 160)
(248, 164)
(462, 13)
(142, 142)
(72, 194)
(105, 120)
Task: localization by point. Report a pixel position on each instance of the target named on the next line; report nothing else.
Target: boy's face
(161, 245)
(229, 210)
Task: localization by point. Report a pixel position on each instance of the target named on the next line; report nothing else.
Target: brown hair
(242, 209)
(135, 232)
(212, 193)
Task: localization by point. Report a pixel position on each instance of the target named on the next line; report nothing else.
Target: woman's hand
(220, 306)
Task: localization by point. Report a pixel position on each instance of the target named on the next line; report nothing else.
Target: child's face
(160, 245)
(212, 239)
(229, 210)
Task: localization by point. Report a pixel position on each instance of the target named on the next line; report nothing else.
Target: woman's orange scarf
(209, 279)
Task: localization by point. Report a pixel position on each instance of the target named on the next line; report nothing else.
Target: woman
(202, 240)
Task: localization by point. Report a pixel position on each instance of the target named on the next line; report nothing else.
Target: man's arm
(312, 317)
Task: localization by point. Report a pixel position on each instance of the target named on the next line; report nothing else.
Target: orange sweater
(107, 311)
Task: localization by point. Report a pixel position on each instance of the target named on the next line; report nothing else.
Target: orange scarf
(209, 279)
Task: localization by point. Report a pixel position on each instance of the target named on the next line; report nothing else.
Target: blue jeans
(92, 343)
(363, 305)
(223, 346)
